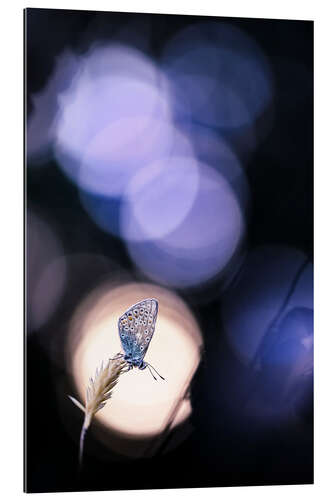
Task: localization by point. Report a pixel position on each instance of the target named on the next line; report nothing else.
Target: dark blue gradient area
(268, 317)
(174, 153)
(273, 280)
(287, 364)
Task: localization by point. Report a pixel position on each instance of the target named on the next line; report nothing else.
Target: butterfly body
(136, 328)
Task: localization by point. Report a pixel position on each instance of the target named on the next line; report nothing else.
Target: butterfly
(136, 329)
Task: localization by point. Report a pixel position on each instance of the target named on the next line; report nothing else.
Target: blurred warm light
(140, 407)
(46, 271)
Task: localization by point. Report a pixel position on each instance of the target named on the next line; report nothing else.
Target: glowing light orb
(201, 246)
(218, 75)
(140, 407)
(107, 119)
(159, 198)
(155, 160)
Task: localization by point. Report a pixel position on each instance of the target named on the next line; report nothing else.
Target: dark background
(231, 449)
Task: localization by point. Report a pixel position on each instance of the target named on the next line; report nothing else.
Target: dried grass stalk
(98, 392)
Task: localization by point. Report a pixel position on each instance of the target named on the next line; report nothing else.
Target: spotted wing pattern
(136, 328)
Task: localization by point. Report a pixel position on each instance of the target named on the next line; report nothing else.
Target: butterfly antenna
(151, 372)
(155, 371)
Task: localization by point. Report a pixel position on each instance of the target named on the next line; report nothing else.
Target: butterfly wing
(136, 328)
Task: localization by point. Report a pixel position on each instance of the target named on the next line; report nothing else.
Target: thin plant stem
(82, 438)
(98, 392)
